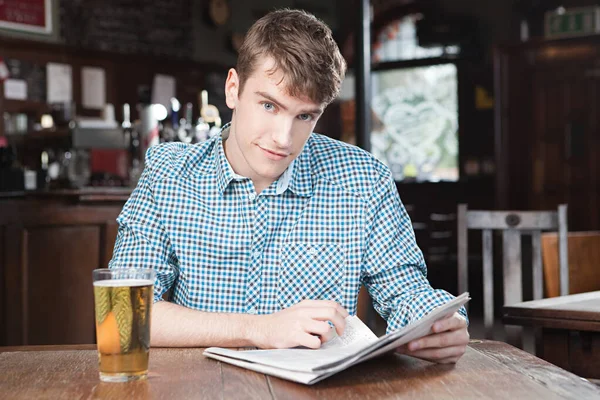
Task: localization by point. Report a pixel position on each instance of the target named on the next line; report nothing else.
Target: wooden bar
(51, 244)
(490, 370)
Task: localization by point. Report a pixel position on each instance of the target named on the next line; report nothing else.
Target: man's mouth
(273, 155)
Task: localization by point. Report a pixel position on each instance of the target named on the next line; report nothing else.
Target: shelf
(61, 133)
(25, 106)
(87, 194)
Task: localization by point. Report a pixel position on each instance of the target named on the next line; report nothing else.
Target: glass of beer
(123, 299)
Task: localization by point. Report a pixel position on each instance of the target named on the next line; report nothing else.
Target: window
(415, 105)
(398, 41)
(415, 124)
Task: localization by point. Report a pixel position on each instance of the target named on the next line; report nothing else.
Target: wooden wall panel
(50, 248)
(12, 295)
(59, 294)
(107, 242)
(547, 127)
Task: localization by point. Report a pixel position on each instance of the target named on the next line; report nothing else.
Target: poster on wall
(28, 80)
(26, 15)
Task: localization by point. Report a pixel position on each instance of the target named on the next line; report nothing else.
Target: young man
(265, 233)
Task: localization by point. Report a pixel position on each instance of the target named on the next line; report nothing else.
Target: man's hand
(445, 345)
(303, 324)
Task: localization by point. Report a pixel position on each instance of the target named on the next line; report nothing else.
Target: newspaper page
(357, 344)
(356, 336)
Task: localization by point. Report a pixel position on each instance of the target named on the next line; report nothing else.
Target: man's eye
(305, 117)
(268, 106)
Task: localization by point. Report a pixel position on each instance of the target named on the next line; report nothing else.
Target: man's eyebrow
(278, 104)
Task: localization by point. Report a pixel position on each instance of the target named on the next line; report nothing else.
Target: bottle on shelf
(133, 140)
(183, 133)
(169, 128)
(209, 114)
(188, 124)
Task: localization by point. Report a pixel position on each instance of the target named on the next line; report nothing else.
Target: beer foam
(123, 282)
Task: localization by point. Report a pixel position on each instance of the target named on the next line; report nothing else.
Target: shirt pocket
(312, 271)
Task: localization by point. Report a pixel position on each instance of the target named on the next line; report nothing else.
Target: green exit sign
(572, 22)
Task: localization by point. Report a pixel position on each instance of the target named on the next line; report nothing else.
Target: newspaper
(357, 344)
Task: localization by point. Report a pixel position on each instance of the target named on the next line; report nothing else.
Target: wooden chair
(584, 262)
(513, 225)
(442, 238)
(439, 250)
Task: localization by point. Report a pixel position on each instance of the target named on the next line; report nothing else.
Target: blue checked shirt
(332, 221)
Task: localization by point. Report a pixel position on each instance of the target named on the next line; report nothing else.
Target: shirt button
(252, 196)
(257, 254)
(252, 310)
(312, 251)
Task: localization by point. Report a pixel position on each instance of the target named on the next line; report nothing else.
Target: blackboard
(158, 27)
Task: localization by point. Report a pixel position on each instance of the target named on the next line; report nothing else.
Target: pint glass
(123, 299)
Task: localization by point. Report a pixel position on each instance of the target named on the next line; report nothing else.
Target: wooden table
(489, 370)
(570, 330)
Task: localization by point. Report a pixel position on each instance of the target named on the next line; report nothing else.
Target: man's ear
(232, 85)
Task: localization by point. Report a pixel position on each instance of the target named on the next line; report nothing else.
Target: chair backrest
(442, 237)
(439, 250)
(584, 262)
(513, 225)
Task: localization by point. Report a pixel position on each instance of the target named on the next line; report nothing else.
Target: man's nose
(283, 133)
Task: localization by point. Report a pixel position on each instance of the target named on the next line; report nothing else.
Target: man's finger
(328, 335)
(310, 341)
(438, 340)
(319, 328)
(329, 314)
(438, 354)
(453, 322)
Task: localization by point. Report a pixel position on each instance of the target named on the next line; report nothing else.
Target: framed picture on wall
(33, 16)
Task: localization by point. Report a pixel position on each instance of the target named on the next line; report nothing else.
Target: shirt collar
(296, 177)
(225, 173)
(301, 181)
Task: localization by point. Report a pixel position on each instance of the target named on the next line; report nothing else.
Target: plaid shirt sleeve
(142, 241)
(394, 271)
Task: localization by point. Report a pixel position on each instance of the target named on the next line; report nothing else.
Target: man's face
(269, 128)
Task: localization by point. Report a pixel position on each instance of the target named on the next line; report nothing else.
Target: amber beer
(123, 305)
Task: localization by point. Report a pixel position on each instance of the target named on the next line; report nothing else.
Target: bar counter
(488, 370)
(50, 241)
(118, 194)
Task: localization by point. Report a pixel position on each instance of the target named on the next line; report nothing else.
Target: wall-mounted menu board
(158, 27)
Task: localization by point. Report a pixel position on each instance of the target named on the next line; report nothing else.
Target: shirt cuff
(419, 306)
